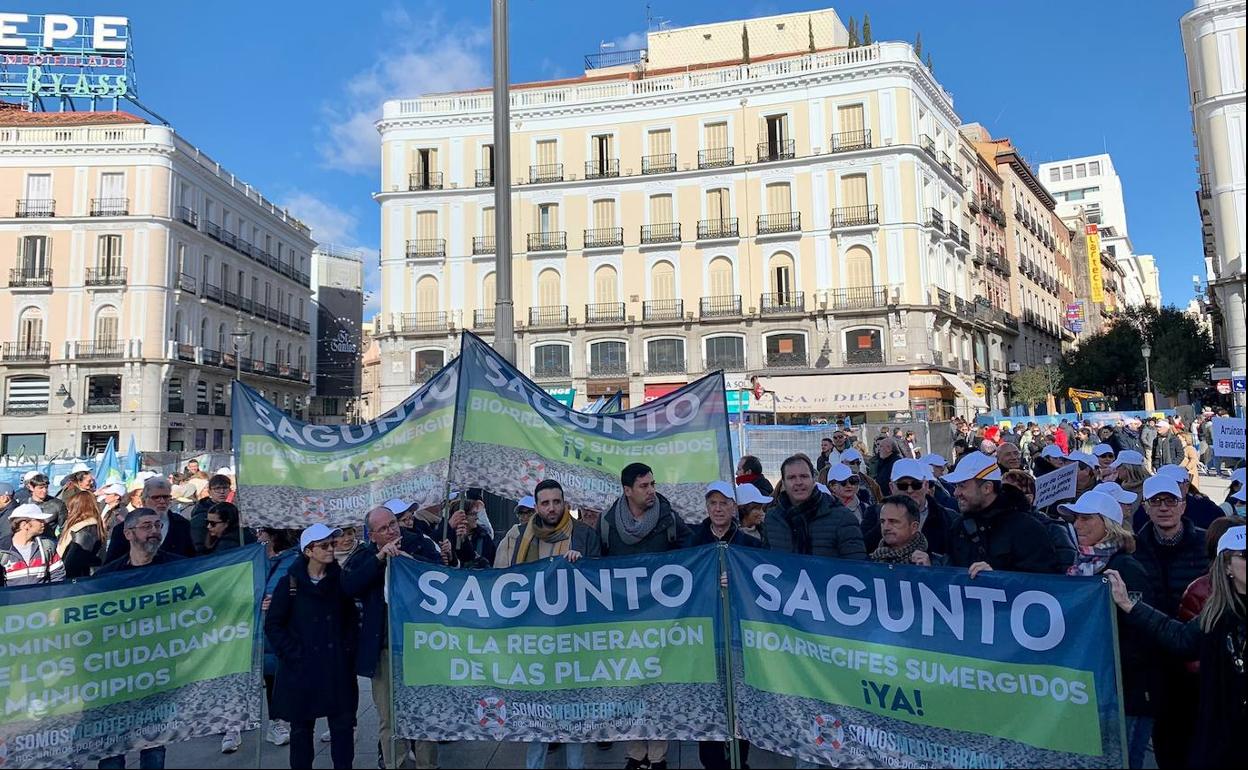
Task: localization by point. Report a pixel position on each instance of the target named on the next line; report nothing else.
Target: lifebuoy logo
(491, 712)
(829, 732)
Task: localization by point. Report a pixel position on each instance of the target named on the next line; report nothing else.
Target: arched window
(425, 363)
(606, 283)
(663, 281)
(489, 291)
(30, 329)
(859, 272)
(427, 294)
(178, 331)
(786, 350)
(264, 350)
(719, 276)
(549, 288)
(552, 360)
(27, 394)
(608, 358)
(106, 326)
(725, 352)
(203, 333)
(665, 356)
(221, 339)
(782, 279)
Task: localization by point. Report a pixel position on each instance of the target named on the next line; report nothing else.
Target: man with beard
(175, 531)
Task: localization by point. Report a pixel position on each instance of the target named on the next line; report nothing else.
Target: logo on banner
(491, 712)
(314, 506)
(829, 732)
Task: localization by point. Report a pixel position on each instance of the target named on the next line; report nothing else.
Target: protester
(1106, 543)
(1197, 507)
(752, 509)
(886, 453)
(804, 521)
(218, 491)
(8, 503)
(641, 520)
(523, 512)
(474, 542)
(1128, 501)
(720, 524)
(1191, 458)
(1167, 448)
(843, 485)
(38, 488)
(80, 480)
(1216, 638)
(345, 543)
(81, 544)
(1088, 474)
(312, 625)
(30, 557)
(996, 529)
(825, 450)
(192, 467)
(175, 531)
(1009, 457)
(901, 540)
(364, 578)
(1197, 591)
(868, 490)
(279, 546)
(911, 479)
(224, 529)
(1105, 456)
(942, 493)
(111, 498)
(750, 471)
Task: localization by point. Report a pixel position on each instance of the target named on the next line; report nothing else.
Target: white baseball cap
(840, 473)
(79, 466)
(912, 469)
(1094, 503)
(396, 505)
(28, 475)
(30, 511)
(1161, 485)
(528, 501)
(110, 489)
(1115, 490)
(1053, 452)
(851, 455)
(225, 471)
(934, 459)
(722, 487)
(975, 465)
(748, 494)
(1127, 457)
(1232, 539)
(1100, 450)
(1082, 457)
(1176, 472)
(316, 533)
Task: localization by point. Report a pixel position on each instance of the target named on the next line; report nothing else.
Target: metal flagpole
(734, 749)
(504, 309)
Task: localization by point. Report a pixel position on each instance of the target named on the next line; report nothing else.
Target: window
(112, 189)
(1081, 170)
(489, 290)
(427, 294)
(604, 213)
(552, 360)
(606, 283)
(719, 275)
(426, 162)
(859, 271)
(39, 188)
(775, 133)
(549, 288)
(608, 357)
(104, 393)
(1068, 173)
(548, 218)
(426, 225)
(487, 160)
(782, 278)
(218, 439)
(660, 209)
(786, 350)
(1094, 168)
(547, 152)
(487, 221)
(660, 141)
(601, 153)
(27, 394)
(715, 135)
(30, 330)
(29, 444)
(850, 120)
(32, 255)
(108, 254)
(718, 204)
(725, 353)
(1055, 174)
(663, 281)
(854, 191)
(665, 355)
(173, 392)
(778, 198)
(425, 363)
(201, 439)
(106, 327)
(863, 346)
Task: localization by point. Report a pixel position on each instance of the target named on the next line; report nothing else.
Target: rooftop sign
(65, 57)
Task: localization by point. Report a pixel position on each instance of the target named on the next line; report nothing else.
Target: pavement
(206, 752)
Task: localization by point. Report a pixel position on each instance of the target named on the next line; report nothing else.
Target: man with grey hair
(175, 533)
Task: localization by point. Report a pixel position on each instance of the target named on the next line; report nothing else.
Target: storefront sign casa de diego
(67, 56)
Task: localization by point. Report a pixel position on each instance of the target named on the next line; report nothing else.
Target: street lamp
(1050, 400)
(238, 337)
(1149, 404)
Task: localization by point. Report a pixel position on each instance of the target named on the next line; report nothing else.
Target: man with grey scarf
(642, 521)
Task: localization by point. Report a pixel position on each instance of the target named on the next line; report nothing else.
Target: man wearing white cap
(1199, 509)
(1086, 477)
(1167, 447)
(996, 529)
(843, 485)
(31, 556)
(943, 492)
(802, 520)
(720, 524)
(910, 478)
(868, 490)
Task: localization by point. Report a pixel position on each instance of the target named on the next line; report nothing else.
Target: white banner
(1228, 437)
(1057, 486)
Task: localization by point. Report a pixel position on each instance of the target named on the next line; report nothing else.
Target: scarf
(1093, 559)
(1169, 541)
(538, 531)
(798, 517)
(901, 555)
(633, 530)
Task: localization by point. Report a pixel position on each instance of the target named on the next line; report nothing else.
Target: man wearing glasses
(175, 534)
(912, 478)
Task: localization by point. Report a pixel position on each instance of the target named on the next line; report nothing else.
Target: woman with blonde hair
(1191, 458)
(1216, 638)
(82, 538)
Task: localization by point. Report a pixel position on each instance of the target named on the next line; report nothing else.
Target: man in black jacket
(1172, 552)
(641, 520)
(720, 524)
(996, 529)
(1167, 447)
(39, 495)
(804, 520)
(175, 532)
(912, 479)
(364, 579)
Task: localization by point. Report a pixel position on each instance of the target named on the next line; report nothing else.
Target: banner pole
(1113, 624)
(734, 750)
(390, 675)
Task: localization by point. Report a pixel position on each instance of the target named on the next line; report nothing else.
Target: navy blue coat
(702, 535)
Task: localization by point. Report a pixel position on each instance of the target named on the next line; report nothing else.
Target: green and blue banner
(128, 660)
(294, 474)
(510, 434)
(597, 650)
(841, 662)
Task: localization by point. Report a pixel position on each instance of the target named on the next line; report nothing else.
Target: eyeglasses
(322, 546)
(1162, 502)
(148, 526)
(212, 523)
(160, 497)
(908, 486)
(852, 481)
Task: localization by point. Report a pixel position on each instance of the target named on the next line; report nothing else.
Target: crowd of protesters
(1174, 559)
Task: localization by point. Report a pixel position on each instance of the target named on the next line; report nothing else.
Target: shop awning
(965, 391)
(835, 393)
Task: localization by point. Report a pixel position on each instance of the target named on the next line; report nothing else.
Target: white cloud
(630, 42)
(422, 55)
(329, 223)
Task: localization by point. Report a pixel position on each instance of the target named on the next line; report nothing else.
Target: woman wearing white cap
(312, 625)
(1217, 638)
(1128, 470)
(752, 509)
(1105, 542)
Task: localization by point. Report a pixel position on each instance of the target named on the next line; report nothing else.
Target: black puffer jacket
(1006, 535)
(702, 535)
(1171, 568)
(818, 527)
(1135, 650)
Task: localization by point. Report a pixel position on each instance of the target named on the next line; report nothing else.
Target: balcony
(188, 217)
(964, 239)
(548, 316)
(35, 207)
(724, 306)
(110, 207)
(184, 352)
(858, 298)
(725, 227)
(978, 257)
(106, 276)
(426, 247)
(424, 180)
(665, 365)
(1206, 190)
(246, 305)
(864, 357)
(604, 313)
(608, 367)
(972, 203)
(716, 157)
(855, 216)
(658, 164)
(186, 283)
(485, 177)
(955, 233)
(26, 350)
(787, 222)
(935, 220)
(663, 310)
(604, 237)
(849, 141)
(603, 168)
(483, 319)
(728, 363)
(100, 349)
(551, 370)
(104, 403)
(548, 241)
(784, 149)
(927, 144)
(942, 158)
(433, 321)
(548, 172)
(230, 299)
(776, 360)
(483, 244)
(783, 303)
(30, 278)
(666, 232)
(210, 357)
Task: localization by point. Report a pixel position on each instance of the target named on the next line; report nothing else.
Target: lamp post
(1050, 401)
(1149, 405)
(238, 337)
(504, 309)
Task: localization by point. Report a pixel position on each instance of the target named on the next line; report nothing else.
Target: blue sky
(285, 94)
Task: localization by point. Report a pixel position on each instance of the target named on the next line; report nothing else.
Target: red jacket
(1062, 441)
(1194, 598)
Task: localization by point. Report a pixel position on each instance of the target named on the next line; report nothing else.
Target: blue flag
(130, 466)
(108, 469)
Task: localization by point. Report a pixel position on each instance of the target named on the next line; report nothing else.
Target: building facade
(138, 264)
(1213, 40)
(804, 213)
(338, 300)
